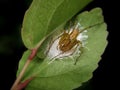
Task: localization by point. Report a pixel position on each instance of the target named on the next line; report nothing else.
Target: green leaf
(44, 16)
(64, 74)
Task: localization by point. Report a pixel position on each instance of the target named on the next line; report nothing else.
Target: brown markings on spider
(68, 40)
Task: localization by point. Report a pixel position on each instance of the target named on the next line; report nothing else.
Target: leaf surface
(44, 16)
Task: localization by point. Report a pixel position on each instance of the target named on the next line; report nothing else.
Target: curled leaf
(63, 74)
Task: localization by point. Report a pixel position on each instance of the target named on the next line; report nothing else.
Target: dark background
(11, 46)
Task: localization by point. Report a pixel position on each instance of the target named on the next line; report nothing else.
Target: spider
(66, 44)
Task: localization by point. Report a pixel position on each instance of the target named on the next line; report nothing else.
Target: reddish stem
(24, 84)
(32, 55)
(30, 58)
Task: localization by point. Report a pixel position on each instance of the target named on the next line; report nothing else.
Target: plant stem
(17, 81)
(30, 58)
